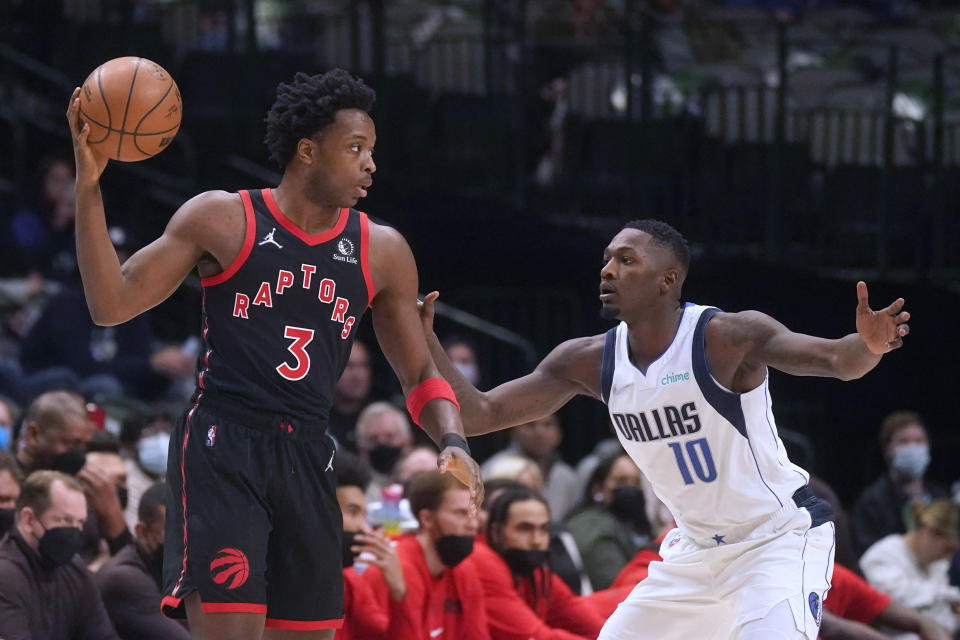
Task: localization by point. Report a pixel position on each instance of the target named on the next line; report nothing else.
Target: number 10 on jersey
(702, 461)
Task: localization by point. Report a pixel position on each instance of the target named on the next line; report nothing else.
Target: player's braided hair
(307, 104)
(666, 236)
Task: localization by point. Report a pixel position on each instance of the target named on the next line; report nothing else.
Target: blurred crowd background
(799, 146)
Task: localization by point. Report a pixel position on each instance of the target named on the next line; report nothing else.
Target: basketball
(133, 107)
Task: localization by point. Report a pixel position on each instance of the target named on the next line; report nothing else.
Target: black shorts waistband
(266, 421)
(819, 509)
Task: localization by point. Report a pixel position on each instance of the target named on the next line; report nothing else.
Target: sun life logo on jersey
(232, 565)
(672, 378)
(345, 247)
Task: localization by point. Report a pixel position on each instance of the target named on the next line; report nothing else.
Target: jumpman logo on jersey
(330, 462)
(268, 239)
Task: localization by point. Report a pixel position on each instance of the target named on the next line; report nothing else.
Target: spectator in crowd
(45, 590)
(373, 586)
(445, 598)
(517, 467)
(130, 581)
(463, 355)
(524, 598)
(350, 396)
(882, 507)
(56, 432)
(540, 440)
(382, 436)
(8, 418)
(611, 524)
(109, 361)
(853, 599)
(144, 440)
(10, 481)
(912, 567)
(417, 460)
(104, 468)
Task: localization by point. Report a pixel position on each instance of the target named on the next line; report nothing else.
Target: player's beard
(608, 312)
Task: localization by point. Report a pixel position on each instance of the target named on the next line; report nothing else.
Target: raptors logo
(232, 565)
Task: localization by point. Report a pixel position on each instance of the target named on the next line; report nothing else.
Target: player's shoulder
(209, 210)
(384, 235)
(739, 327)
(577, 359)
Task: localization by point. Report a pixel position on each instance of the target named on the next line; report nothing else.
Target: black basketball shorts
(253, 524)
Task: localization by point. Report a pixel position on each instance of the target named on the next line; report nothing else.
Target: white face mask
(468, 371)
(152, 453)
(911, 460)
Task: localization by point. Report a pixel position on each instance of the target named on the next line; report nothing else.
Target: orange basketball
(133, 108)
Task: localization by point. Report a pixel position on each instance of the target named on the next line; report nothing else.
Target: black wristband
(454, 440)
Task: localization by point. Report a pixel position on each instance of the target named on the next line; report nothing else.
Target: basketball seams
(136, 130)
(126, 109)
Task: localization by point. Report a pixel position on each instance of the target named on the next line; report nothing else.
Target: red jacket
(852, 598)
(450, 607)
(364, 614)
(519, 611)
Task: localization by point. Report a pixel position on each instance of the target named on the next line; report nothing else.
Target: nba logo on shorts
(815, 609)
(211, 435)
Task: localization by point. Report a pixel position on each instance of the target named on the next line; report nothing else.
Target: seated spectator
(130, 581)
(611, 525)
(883, 506)
(373, 585)
(912, 567)
(851, 598)
(515, 467)
(417, 460)
(382, 436)
(145, 441)
(445, 598)
(45, 590)
(350, 396)
(8, 419)
(103, 468)
(10, 481)
(524, 598)
(539, 441)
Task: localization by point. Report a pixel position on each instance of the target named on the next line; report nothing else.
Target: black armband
(454, 440)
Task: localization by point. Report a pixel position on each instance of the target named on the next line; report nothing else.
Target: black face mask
(453, 549)
(523, 562)
(627, 503)
(58, 545)
(383, 458)
(69, 462)
(348, 556)
(6, 520)
(155, 565)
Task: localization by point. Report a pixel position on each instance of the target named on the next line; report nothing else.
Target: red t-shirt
(540, 608)
(852, 598)
(449, 607)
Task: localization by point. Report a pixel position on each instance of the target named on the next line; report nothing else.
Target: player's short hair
(665, 236)
(148, 511)
(351, 471)
(895, 422)
(307, 104)
(426, 490)
(35, 492)
(499, 510)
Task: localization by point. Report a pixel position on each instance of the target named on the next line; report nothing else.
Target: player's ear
(670, 278)
(306, 150)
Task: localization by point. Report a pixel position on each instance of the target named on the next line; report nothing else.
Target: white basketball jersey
(713, 456)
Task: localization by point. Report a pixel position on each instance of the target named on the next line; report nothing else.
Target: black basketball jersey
(278, 322)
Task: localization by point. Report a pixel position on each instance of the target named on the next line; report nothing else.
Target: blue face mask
(911, 460)
(152, 453)
(4, 437)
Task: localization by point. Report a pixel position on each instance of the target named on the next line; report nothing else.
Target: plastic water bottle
(389, 516)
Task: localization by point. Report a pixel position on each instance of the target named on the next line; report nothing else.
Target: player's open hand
(426, 310)
(882, 330)
(465, 469)
(90, 165)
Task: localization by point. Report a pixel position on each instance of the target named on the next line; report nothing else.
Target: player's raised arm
(765, 342)
(572, 368)
(114, 292)
(430, 398)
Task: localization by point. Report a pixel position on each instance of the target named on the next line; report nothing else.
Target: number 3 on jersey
(301, 338)
(705, 469)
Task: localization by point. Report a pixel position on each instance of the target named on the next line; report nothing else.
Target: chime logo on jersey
(326, 293)
(232, 565)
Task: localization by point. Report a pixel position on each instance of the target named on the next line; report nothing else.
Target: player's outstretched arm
(765, 342)
(398, 329)
(572, 368)
(117, 293)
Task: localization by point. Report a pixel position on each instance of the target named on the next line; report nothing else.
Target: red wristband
(429, 389)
